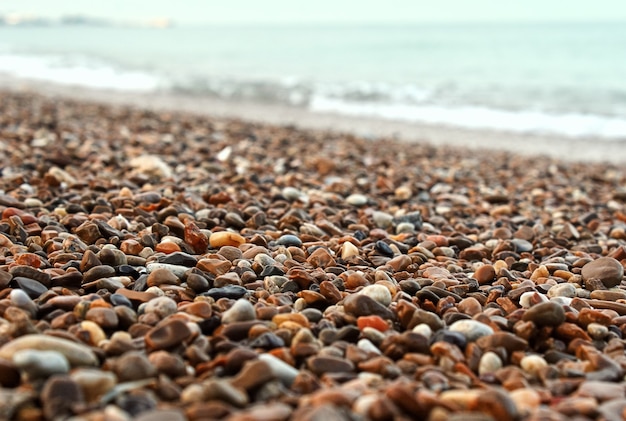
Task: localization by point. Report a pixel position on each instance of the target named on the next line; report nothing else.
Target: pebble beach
(160, 265)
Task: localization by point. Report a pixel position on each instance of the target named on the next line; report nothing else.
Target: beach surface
(162, 258)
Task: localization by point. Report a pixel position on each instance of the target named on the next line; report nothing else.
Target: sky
(328, 11)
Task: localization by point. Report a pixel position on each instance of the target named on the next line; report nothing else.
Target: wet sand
(168, 265)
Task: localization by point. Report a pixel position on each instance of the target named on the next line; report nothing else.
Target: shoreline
(525, 144)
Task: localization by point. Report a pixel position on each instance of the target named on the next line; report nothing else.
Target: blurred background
(552, 67)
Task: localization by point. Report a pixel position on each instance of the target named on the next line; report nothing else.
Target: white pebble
(489, 363)
(532, 364)
(378, 293)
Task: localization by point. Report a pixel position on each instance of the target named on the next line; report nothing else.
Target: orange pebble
(167, 247)
(372, 321)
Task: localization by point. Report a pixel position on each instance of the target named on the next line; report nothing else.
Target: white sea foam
(571, 125)
(76, 71)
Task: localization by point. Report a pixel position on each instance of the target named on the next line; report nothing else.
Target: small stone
(489, 363)
(225, 238)
(167, 335)
(280, 369)
(161, 415)
(33, 288)
(161, 306)
(134, 365)
(607, 269)
(9, 375)
(178, 270)
(94, 383)
(170, 364)
(241, 310)
(228, 291)
(562, 290)
(41, 364)
(363, 305)
(379, 293)
(545, 314)
(597, 331)
(162, 276)
(357, 199)
(382, 219)
(76, 353)
(526, 400)
(289, 240)
(533, 364)
(348, 250)
(253, 374)
(21, 300)
(104, 317)
(327, 364)
(59, 397)
(471, 329)
(485, 274)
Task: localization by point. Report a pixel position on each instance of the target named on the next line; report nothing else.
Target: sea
(564, 79)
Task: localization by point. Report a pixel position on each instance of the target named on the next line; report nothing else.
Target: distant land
(27, 19)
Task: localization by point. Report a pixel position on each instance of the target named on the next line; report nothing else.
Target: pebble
(471, 329)
(545, 314)
(607, 269)
(357, 199)
(490, 362)
(59, 396)
(240, 311)
(533, 364)
(226, 238)
(161, 307)
(75, 353)
(40, 364)
(562, 290)
(169, 334)
(378, 293)
(93, 382)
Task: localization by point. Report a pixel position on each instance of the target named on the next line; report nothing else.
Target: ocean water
(561, 79)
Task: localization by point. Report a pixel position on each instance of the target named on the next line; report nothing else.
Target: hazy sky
(331, 11)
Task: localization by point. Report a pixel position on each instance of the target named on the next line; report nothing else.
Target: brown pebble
(162, 276)
(169, 334)
(485, 274)
(61, 397)
(320, 365)
(606, 269)
(545, 314)
(106, 318)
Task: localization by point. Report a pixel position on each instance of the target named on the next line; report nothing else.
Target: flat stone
(134, 365)
(169, 334)
(59, 397)
(41, 364)
(471, 329)
(76, 353)
(289, 240)
(228, 291)
(606, 269)
(179, 258)
(94, 383)
(162, 276)
(326, 364)
(545, 314)
(161, 306)
(362, 305)
(104, 317)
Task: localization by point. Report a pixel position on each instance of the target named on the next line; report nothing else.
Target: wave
(77, 71)
(402, 102)
(475, 117)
